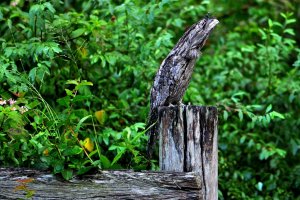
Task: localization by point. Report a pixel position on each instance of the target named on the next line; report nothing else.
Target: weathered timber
(102, 185)
(188, 143)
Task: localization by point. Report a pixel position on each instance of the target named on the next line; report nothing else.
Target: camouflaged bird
(175, 72)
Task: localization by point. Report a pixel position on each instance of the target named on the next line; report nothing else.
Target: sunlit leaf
(259, 186)
(88, 144)
(269, 108)
(101, 116)
(74, 82)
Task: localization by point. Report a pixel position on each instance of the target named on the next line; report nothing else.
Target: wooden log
(188, 143)
(17, 183)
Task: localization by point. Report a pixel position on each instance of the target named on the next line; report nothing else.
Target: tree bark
(16, 183)
(188, 143)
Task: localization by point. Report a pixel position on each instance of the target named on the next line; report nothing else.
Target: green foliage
(75, 78)
(255, 87)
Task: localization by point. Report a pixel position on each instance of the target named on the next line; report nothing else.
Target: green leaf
(8, 51)
(138, 125)
(270, 23)
(83, 170)
(75, 150)
(58, 166)
(52, 46)
(41, 72)
(248, 48)
(67, 174)
(225, 115)
(33, 104)
(72, 82)
(118, 156)
(264, 154)
(1, 15)
(77, 32)
(277, 24)
(65, 101)
(289, 31)
(137, 136)
(241, 115)
(83, 83)
(281, 153)
(105, 162)
(290, 21)
(50, 7)
(80, 98)
(269, 108)
(111, 58)
(80, 122)
(93, 153)
(113, 147)
(243, 138)
(283, 15)
(2, 71)
(259, 186)
(106, 140)
(15, 116)
(9, 24)
(275, 114)
(56, 49)
(69, 92)
(97, 163)
(268, 118)
(295, 146)
(263, 34)
(256, 107)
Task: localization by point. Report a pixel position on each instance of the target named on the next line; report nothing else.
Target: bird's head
(201, 31)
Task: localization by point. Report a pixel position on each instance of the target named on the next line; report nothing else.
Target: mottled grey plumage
(175, 72)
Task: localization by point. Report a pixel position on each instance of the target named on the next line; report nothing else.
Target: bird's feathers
(175, 72)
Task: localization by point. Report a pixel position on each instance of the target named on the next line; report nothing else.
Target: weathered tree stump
(188, 143)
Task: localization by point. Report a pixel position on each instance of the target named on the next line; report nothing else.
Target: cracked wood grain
(188, 143)
(102, 185)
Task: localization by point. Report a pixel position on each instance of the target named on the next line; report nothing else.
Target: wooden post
(188, 143)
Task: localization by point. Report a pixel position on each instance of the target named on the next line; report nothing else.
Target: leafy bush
(75, 79)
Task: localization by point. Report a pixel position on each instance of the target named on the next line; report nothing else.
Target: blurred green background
(75, 77)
